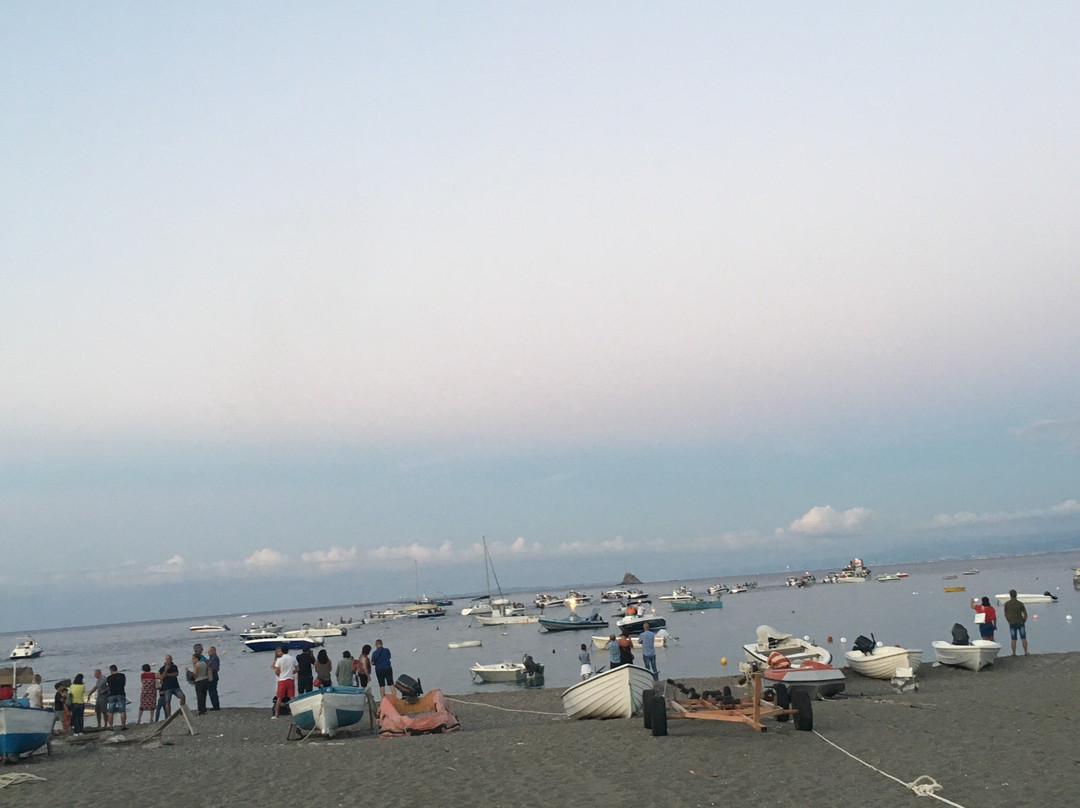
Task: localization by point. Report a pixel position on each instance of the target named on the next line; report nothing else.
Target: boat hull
(696, 605)
(555, 624)
(884, 661)
(507, 619)
(24, 729)
(506, 672)
(328, 709)
(793, 648)
(1028, 597)
(974, 657)
(294, 643)
(636, 625)
(815, 678)
(614, 693)
(465, 644)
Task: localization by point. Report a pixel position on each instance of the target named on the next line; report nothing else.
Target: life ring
(778, 660)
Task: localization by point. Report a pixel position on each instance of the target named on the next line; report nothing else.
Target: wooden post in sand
(181, 709)
(371, 708)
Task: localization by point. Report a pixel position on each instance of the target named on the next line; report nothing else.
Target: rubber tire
(647, 699)
(659, 717)
(783, 701)
(804, 719)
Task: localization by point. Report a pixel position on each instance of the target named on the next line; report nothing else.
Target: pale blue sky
(300, 294)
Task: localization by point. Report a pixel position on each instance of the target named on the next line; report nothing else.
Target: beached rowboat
(974, 657)
(883, 660)
(328, 709)
(23, 728)
(614, 693)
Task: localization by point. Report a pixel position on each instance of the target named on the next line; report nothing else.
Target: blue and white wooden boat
(294, 643)
(23, 728)
(328, 709)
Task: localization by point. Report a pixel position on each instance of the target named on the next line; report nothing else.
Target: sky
(299, 303)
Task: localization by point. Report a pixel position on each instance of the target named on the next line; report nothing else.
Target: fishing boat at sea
(614, 693)
(528, 672)
(328, 709)
(696, 604)
(208, 628)
(320, 629)
(574, 622)
(634, 624)
(679, 593)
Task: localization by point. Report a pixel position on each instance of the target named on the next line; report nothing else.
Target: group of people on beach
(1015, 616)
(621, 651)
(107, 695)
(296, 675)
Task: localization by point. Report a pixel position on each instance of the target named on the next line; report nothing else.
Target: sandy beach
(1003, 736)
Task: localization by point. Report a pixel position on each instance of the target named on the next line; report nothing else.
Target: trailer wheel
(804, 718)
(647, 699)
(659, 717)
(783, 701)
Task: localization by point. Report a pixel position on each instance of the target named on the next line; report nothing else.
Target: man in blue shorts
(1016, 617)
(384, 672)
(117, 697)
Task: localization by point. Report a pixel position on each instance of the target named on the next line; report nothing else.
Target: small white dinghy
(614, 693)
(974, 657)
(881, 661)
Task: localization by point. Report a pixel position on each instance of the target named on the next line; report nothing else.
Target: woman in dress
(147, 693)
(324, 668)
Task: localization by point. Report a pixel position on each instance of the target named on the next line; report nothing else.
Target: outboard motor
(960, 635)
(409, 688)
(865, 644)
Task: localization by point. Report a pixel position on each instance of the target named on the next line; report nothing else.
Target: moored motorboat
(464, 644)
(696, 604)
(294, 643)
(770, 641)
(27, 648)
(208, 628)
(974, 657)
(661, 641)
(320, 629)
(262, 631)
(614, 693)
(527, 672)
(575, 598)
(889, 576)
(878, 661)
(547, 601)
(574, 622)
(679, 593)
(635, 624)
(327, 709)
(1029, 597)
(479, 606)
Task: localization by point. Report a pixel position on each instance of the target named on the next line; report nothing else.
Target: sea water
(911, 612)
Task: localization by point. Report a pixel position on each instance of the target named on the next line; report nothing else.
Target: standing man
(169, 676)
(305, 676)
(1016, 617)
(100, 692)
(285, 668)
(344, 672)
(384, 671)
(612, 647)
(648, 651)
(626, 648)
(34, 693)
(117, 697)
(213, 662)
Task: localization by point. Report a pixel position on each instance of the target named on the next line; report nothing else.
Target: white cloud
(174, 566)
(1069, 507)
(825, 520)
(336, 558)
(1063, 430)
(266, 559)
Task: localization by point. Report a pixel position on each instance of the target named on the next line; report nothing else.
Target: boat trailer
(658, 708)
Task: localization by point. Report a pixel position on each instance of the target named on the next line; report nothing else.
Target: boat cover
(428, 714)
(769, 637)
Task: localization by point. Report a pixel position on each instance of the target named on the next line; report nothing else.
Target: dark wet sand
(1004, 736)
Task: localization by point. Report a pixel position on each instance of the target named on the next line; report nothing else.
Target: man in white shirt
(285, 668)
(33, 692)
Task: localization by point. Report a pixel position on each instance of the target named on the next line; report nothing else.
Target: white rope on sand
(924, 785)
(504, 709)
(18, 777)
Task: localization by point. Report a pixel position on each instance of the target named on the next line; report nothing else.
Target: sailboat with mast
(503, 611)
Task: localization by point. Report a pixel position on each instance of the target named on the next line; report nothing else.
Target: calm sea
(912, 612)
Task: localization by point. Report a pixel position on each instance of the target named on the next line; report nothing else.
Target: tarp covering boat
(426, 715)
